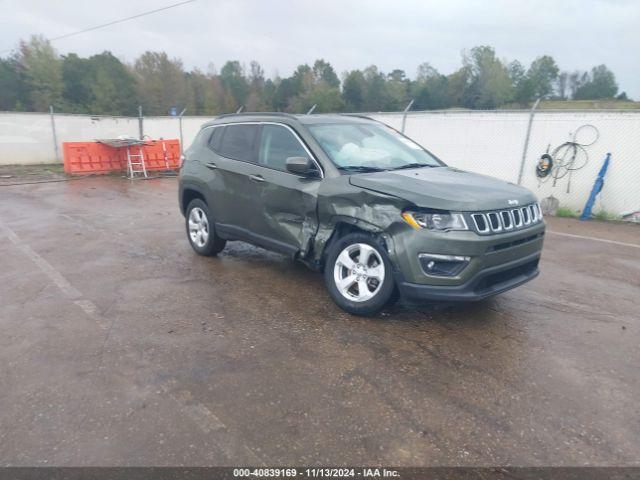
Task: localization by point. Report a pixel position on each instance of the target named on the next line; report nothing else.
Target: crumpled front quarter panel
(339, 201)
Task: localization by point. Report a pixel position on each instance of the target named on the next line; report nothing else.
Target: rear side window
(276, 145)
(214, 139)
(238, 142)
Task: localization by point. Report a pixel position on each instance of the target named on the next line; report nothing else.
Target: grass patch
(566, 212)
(600, 215)
(588, 105)
(604, 215)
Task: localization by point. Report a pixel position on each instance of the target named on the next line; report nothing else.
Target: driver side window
(276, 145)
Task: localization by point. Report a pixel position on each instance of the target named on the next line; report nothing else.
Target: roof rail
(359, 115)
(257, 114)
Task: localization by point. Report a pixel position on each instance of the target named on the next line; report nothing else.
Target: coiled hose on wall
(567, 157)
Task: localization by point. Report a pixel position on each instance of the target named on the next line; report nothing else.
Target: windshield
(367, 147)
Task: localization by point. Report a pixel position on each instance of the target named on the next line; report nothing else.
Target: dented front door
(286, 203)
(288, 210)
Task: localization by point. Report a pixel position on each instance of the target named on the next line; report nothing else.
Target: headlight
(435, 221)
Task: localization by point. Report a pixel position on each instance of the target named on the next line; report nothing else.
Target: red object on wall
(83, 158)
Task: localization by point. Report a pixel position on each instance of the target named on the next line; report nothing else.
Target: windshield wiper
(361, 168)
(413, 165)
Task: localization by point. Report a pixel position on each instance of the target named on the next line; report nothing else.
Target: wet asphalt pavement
(121, 346)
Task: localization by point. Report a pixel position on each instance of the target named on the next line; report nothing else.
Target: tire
(365, 289)
(201, 231)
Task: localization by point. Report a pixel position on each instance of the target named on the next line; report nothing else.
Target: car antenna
(312, 109)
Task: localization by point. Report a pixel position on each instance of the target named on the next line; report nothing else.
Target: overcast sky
(281, 34)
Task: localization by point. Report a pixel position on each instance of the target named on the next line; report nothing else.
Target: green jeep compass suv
(356, 199)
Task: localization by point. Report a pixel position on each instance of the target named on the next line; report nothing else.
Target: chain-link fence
(502, 144)
(510, 144)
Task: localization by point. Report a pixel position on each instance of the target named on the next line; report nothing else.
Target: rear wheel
(201, 231)
(358, 274)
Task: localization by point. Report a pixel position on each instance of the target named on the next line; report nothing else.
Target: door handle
(211, 165)
(257, 178)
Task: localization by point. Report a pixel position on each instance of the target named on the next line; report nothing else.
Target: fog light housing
(442, 265)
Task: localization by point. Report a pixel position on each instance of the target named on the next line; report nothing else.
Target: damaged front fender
(340, 203)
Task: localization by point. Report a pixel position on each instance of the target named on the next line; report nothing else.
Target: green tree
(353, 90)
(77, 78)
(303, 77)
(490, 85)
(575, 80)
(397, 87)
(317, 85)
(161, 82)
(285, 90)
(113, 86)
(100, 84)
(205, 95)
(599, 84)
(42, 73)
(430, 90)
(376, 97)
(458, 84)
(13, 95)
(256, 101)
(562, 85)
(324, 72)
(523, 91)
(541, 76)
(36, 77)
(233, 80)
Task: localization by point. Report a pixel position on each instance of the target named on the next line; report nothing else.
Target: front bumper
(486, 283)
(497, 262)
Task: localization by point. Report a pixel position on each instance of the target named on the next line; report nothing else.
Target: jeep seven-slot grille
(506, 220)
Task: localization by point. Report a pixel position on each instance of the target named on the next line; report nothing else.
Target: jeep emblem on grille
(512, 202)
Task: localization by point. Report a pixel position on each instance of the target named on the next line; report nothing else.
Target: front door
(286, 203)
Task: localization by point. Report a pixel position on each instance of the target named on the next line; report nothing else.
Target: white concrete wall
(27, 138)
(480, 141)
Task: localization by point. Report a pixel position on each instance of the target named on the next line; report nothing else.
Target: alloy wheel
(359, 272)
(198, 227)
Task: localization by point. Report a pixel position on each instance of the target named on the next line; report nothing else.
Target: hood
(445, 188)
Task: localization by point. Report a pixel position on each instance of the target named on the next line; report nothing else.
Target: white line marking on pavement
(91, 310)
(71, 292)
(202, 416)
(595, 239)
(54, 275)
(208, 422)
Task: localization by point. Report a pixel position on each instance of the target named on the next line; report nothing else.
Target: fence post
(526, 140)
(404, 115)
(140, 122)
(55, 136)
(180, 123)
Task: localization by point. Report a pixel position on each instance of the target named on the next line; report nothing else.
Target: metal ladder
(131, 171)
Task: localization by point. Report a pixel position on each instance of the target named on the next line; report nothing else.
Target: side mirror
(299, 165)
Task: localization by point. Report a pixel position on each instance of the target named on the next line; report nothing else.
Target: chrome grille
(506, 220)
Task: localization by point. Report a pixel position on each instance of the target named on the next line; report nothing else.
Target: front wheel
(200, 229)
(358, 274)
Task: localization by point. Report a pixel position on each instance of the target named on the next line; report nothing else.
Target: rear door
(285, 205)
(231, 163)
